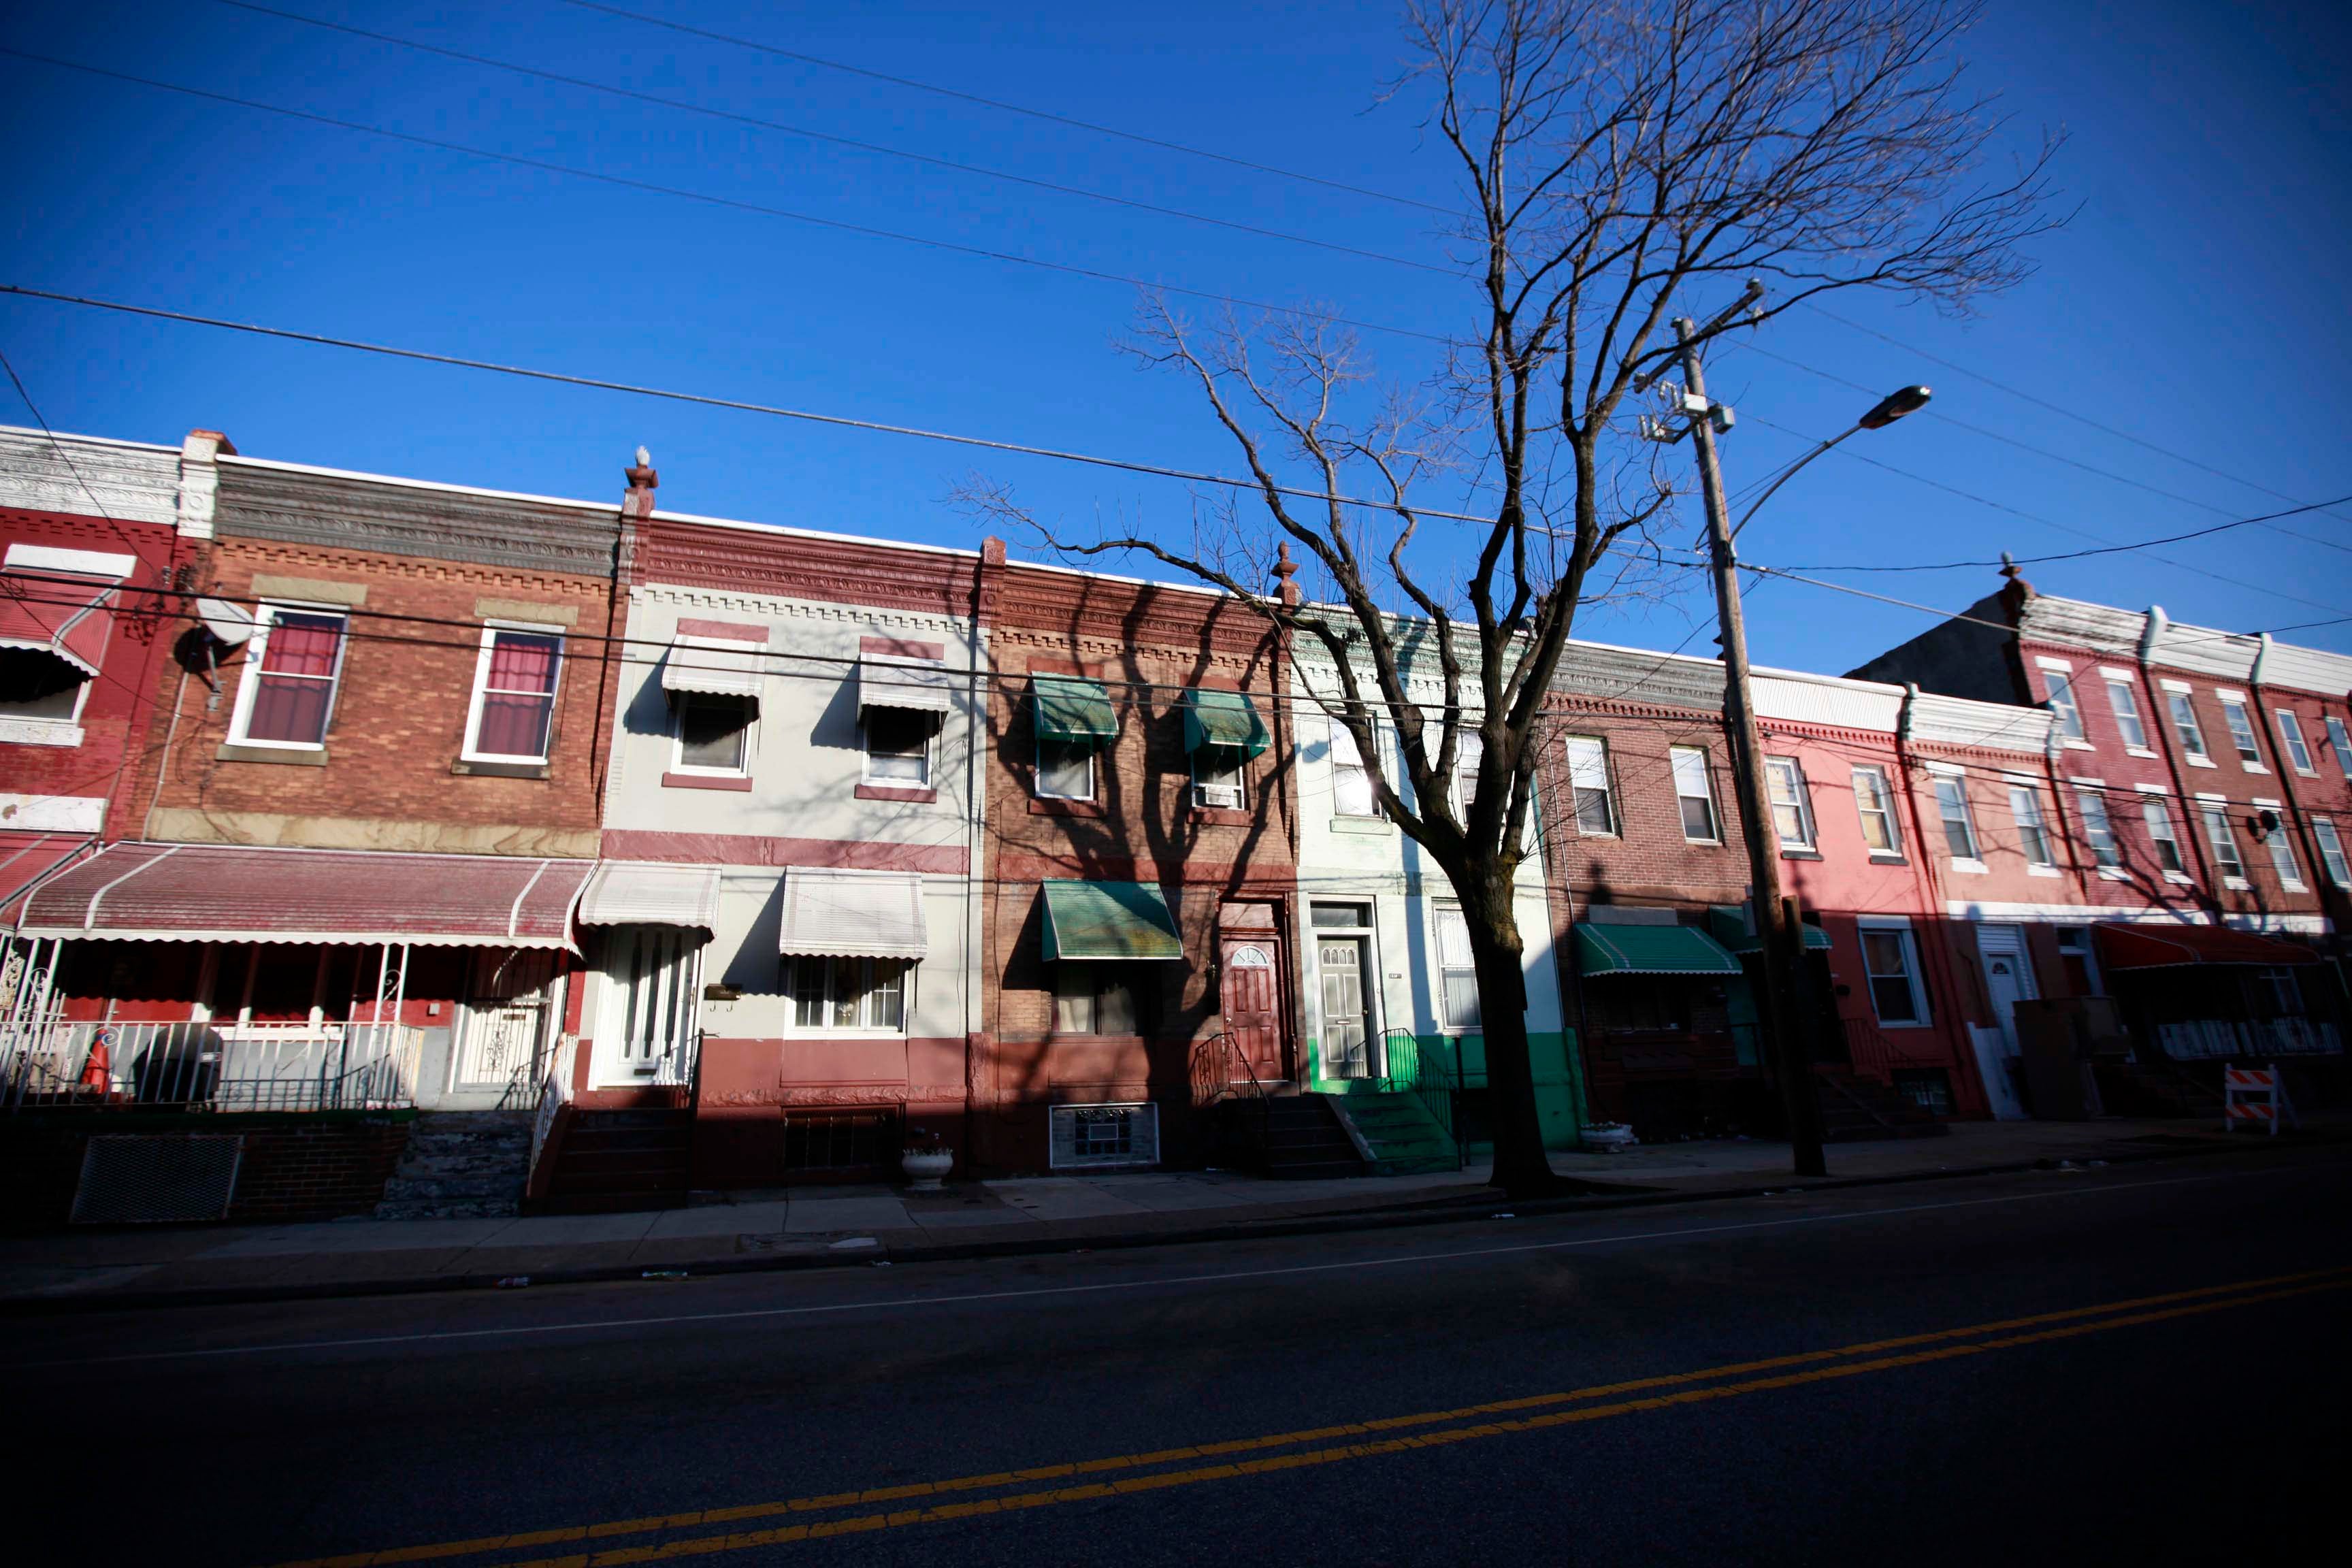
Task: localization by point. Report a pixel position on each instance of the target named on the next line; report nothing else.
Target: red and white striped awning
(25, 859)
(65, 615)
(209, 892)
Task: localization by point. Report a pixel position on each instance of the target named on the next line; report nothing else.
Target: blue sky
(2196, 303)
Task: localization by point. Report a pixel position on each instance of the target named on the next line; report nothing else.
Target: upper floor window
(2033, 835)
(2242, 732)
(1793, 808)
(1222, 732)
(1072, 719)
(2331, 851)
(1959, 825)
(2068, 712)
(714, 732)
(2340, 742)
(897, 746)
(1220, 778)
(1587, 776)
(2184, 723)
(2272, 828)
(2125, 702)
(1696, 795)
(292, 666)
(2160, 834)
(513, 708)
(2097, 831)
(2291, 740)
(2224, 840)
(1876, 802)
(1351, 782)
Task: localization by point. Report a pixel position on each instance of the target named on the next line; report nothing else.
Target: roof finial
(1286, 568)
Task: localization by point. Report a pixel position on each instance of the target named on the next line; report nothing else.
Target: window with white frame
(1793, 807)
(1094, 999)
(2032, 833)
(1960, 823)
(1875, 802)
(1694, 793)
(292, 664)
(1220, 776)
(2331, 851)
(2271, 823)
(2290, 740)
(2242, 732)
(713, 731)
(2223, 839)
(2162, 837)
(834, 992)
(1587, 778)
(2124, 702)
(2184, 723)
(2063, 706)
(513, 709)
(897, 743)
(1351, 782)
(1457, 973)
(1065, 769)
(1890, 960)
(2097, 831)
(2339, 741)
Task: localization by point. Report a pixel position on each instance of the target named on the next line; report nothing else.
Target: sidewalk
(834, 1225)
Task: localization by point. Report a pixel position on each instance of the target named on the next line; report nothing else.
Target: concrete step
(460, 1165)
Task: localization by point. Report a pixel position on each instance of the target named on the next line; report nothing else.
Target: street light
(1885, 412)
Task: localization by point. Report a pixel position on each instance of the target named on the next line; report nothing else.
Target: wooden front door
(1251, 1002)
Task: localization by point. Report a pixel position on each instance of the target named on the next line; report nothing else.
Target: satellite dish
(230, 625)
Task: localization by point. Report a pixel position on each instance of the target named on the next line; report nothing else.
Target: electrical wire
(2079, 554)
(689, 107)
(999, 104)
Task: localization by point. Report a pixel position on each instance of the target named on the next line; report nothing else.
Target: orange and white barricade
(2255, 1097)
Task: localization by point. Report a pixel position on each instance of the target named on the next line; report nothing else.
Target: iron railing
(197, 1065)
(1875, 1054)
(1430, 1069)
(2209, 1039)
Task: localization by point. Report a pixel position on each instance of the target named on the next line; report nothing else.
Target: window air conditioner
(1226, 797)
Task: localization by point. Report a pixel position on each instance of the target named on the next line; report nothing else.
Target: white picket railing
(2209, 1039)
(212, 1067)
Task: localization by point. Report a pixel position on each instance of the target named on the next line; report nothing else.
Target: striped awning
(831, 912)
(1104, 920)
(67, 617)
(717, 666)
(216, 892)
(1650, 949)
(1223, 719)
(916, 685)
(631, 892)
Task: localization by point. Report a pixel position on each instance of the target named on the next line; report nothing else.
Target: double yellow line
(1126, 1474)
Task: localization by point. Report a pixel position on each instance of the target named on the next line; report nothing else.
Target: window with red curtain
(516, 702)
(294, 685)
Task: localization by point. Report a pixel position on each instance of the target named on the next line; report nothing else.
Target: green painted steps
(1395, 1134)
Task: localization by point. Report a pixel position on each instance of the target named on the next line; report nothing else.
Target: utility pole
(1775, 922)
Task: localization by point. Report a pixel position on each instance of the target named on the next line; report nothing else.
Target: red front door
(1251, 1002)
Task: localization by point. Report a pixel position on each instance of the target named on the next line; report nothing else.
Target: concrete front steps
(609, 1162)
(1856, 1110)
(1303, 1139)
(1396, 1134)
(460, 1165)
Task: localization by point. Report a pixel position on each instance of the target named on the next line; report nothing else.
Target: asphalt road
(2177, 1391)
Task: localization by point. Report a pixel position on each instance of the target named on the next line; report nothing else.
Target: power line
(2079, 554)
(689, 107)
(706, 198)
(999, 104)
(704, 400)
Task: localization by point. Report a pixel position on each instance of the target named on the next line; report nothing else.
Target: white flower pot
(1608, 1136)
(927, 1169)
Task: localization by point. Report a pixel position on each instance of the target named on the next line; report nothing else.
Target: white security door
(1346, 1036)
(645, 1033)
(2008, 976)
(505, 1024)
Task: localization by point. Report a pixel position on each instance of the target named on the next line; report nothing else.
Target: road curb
(1397, 1216)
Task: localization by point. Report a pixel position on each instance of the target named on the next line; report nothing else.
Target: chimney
(200, 481)
(642, 481)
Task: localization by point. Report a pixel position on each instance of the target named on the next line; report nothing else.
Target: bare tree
(1617, 160)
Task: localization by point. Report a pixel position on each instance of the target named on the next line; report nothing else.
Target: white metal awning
(852, 914)
(723, 667)
(632, 893)
(920, 685)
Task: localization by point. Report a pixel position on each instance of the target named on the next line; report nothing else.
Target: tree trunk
(1520, 1167)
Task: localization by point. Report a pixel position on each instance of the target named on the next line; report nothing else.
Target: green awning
(1109, 920)
(1728, 923)
(1650, 949)
(1223, 719)
(1070, 709)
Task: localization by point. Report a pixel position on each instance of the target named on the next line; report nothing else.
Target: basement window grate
(1105, 1137)
(156, 1179)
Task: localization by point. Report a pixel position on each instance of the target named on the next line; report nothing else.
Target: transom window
(292, 664)
(2033, 836)
(513, 706)
(2097, 831)
(2125, 702)
(2298, 752)
(1695, 795)
(714, 732)
(1892, 963)
(1588, 777)
(1792, 809)
(1952, 805)
(1875, 803)
(2185, 725)
(2160, 835)
(2241, 733)
(897, 746)
(837, 992)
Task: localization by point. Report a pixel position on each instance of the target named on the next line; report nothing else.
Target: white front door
(505, 1024)
(2008, 976)
(646, 1026)
(1347, 1037)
